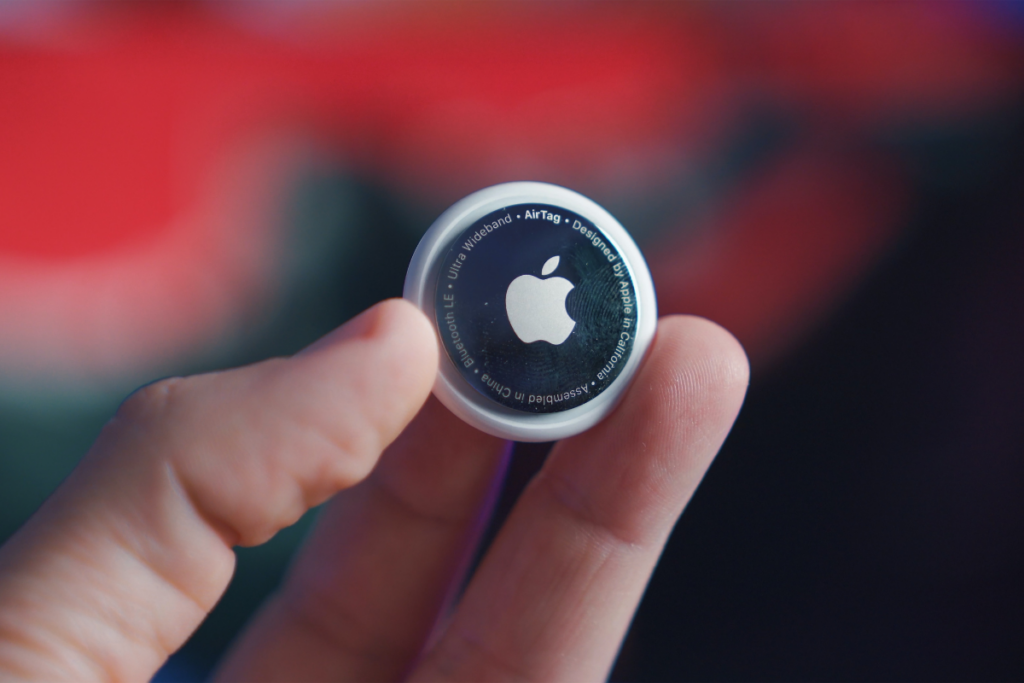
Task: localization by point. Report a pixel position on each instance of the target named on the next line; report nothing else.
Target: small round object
(543, 305)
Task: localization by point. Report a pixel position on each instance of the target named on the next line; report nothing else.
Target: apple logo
(536, 307)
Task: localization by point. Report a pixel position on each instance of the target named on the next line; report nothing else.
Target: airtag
(543, 306)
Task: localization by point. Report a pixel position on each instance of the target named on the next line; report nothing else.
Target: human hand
(125, 560)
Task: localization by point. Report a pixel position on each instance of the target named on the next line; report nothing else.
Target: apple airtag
(543, 306)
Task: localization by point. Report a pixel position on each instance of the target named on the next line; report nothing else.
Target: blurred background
(194, 185)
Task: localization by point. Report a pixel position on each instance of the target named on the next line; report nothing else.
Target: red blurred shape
(780, 254)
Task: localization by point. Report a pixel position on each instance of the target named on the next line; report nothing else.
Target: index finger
(558, 589)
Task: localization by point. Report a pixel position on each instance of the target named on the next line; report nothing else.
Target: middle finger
(364, 592)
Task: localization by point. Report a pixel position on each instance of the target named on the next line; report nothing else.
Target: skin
(128, 556)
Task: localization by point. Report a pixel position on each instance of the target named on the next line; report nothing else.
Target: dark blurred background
(193, 185)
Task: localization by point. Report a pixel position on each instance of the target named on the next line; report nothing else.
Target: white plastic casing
(452, 390)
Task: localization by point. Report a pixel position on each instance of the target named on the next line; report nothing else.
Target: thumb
(130, 554)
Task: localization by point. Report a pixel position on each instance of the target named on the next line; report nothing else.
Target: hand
(125, 560)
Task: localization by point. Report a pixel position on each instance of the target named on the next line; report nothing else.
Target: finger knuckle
(608, 524)
(461, 657)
